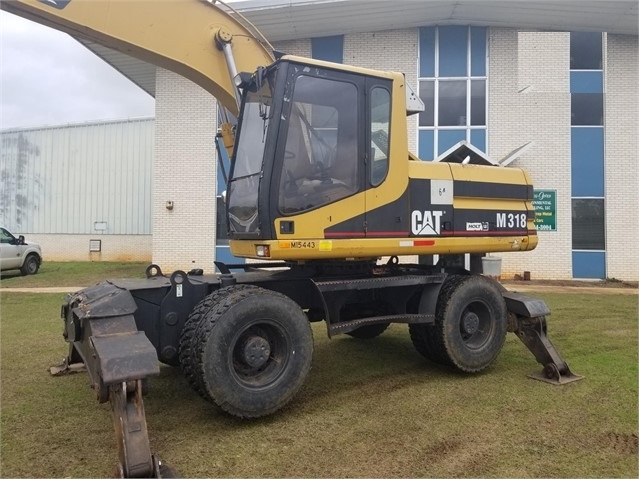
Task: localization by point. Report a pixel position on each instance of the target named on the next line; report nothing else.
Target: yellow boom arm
(183, 36)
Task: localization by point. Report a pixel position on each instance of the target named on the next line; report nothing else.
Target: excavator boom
(184, 38)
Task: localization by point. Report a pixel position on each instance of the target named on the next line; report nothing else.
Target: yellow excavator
(321, 186)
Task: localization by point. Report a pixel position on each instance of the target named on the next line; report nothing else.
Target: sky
(48, 78)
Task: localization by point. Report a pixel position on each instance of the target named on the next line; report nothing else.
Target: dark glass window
(586, 109)
(427, 95)
(585, 51)
(330, 49)
(452, 103)
(380, 131)
(320, 154)
(478, 102)
(588, 224)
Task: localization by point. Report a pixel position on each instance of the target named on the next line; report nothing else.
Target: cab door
(320, 149)
(386, 197)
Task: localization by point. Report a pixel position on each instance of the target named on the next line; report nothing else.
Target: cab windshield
(248, 159)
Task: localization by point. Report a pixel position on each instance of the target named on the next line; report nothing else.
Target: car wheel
(31, 265)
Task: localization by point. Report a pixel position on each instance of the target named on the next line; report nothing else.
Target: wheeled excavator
(321, 186)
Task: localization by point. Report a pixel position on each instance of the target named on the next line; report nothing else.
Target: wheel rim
(259, 354)
(32, 266)
(476, 325)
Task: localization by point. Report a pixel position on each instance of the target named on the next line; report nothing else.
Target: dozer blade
(528, 322)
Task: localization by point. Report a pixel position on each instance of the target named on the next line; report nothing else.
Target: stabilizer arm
(528, 321)
(101, 331)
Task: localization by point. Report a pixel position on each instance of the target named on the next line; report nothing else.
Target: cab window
(321, 145)
(379, 134)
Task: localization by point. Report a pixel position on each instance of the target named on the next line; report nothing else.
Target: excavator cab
(308, 136)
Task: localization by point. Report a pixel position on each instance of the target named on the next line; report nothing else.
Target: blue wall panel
(586, 82)
(426, 145)
(589, 264)
(478, 139)
(478, 51)
(587, 161)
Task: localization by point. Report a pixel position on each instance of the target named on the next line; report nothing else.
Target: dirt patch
(621, 443)
(606, 283)
(567, 286)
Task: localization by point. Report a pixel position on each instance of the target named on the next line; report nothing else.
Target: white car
(15, 253)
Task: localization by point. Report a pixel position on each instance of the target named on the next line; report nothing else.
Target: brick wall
(56, 247)
(300, 48)
(621, 164)
(529, 101)
(391, 50)
(184, 172)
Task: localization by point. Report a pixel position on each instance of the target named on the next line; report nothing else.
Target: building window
(452, 85)
(330, 49)
(588, 227)
(587, 156)
(586, 109)
(585, 51)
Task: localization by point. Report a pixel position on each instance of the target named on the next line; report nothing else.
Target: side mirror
(21, 239)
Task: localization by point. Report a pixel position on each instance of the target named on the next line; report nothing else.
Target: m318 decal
(511, 220)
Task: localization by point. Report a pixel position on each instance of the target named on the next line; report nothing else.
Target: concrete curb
(55, 289)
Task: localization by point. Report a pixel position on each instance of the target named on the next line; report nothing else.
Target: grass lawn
(72, 273)
(368, 409)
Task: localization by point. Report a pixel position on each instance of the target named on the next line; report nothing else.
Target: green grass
(73, 273)
(368, 408)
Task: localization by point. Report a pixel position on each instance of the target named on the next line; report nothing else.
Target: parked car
(16, 253)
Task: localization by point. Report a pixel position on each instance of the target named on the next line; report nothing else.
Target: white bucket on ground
(491, 266)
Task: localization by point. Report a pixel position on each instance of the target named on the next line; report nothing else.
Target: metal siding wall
(62, 180)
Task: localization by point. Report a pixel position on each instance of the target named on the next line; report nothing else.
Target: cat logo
(425, 223)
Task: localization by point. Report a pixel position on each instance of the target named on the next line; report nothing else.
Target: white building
(548, 86)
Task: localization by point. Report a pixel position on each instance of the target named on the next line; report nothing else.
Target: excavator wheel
(369, 331)
(186, 351)
(470, 325)
(251, 350)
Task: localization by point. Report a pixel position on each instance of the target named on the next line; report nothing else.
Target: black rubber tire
(252, 324)
(187, 344)
(369, 331)
(31, 264)
(357, 311)
(470, 325)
